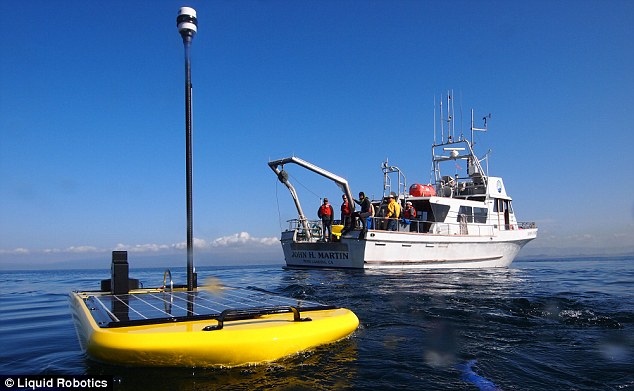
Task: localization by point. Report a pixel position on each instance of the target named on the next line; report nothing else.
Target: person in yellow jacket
(393, 213)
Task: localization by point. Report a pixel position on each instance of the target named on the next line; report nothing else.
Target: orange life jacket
(345, 209)
(325, 210)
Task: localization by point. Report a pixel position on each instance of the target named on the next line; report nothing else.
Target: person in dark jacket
(366, 211)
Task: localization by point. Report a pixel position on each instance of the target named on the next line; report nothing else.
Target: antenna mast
(187, 27)
(478, 129)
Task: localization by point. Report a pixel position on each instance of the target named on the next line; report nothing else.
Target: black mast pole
(187, 27)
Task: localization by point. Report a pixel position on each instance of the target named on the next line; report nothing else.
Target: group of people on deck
(395, 212)
(349, 218)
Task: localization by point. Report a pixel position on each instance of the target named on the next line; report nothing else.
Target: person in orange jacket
(345, 211)
(327, 215)
(409, 216)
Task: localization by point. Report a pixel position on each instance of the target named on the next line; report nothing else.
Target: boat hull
(187, 344)
(404, 250)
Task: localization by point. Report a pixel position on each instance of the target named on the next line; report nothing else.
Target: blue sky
(92, 118)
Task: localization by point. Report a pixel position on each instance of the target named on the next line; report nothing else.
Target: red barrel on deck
(418, 190)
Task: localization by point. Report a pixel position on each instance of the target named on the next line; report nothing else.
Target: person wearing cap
(367, 211)
(393, 213)
(410, 214)
(326, 214)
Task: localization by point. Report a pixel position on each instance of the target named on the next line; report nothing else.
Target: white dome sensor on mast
(187, 22)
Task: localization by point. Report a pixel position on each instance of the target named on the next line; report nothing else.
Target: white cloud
(238, 240)
(241, 239)
(15, 251)
(70, 250)
(82, 249)
(198, 244)
(143, 248)
(235, 240)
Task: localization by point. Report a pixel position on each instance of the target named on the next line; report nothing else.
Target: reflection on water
(333, 362)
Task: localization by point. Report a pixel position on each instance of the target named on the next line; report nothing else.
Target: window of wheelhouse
(466, 211)
(500, 205)
(480, 215)
(504, 210)
(439, 212)
(472, 215)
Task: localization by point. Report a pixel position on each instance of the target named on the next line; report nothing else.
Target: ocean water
(542, 324)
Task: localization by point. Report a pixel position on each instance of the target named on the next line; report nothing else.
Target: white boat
(464, 220)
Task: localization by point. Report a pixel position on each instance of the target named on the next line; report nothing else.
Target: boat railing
(434, 227)
(407, 225)
(314, 228)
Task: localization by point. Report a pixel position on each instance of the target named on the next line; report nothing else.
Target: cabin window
(480, 215)
(439, 212)
(500, 205)
(465, 211)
